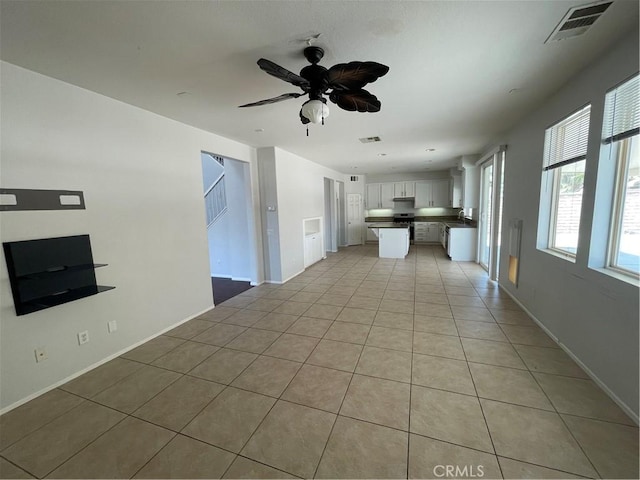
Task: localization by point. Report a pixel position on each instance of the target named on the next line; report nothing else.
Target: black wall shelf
(51, 271)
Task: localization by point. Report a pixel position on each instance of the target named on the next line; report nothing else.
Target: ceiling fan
(342, 83)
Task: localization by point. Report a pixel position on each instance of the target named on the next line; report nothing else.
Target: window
(621, 130)
(565, 151)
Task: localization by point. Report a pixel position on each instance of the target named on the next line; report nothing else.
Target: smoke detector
(578, 20)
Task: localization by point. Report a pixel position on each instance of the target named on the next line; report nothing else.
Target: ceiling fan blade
(279, 98)
(355, 100)
(355, 75)
(282, 73)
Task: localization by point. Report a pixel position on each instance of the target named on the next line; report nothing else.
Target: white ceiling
(461, 72)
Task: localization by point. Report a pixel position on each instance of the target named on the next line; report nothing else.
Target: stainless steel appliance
(405, 219)
(446, 239)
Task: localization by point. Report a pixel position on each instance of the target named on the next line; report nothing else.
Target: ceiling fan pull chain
(307, 130)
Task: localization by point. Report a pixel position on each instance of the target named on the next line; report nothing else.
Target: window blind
(566, 141)
(622, 111)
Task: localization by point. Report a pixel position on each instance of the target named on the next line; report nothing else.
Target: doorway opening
(230, 225)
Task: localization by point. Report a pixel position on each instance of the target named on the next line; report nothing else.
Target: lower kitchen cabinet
(462, 244)
(371, 237)
(426, 232)
(312, 249)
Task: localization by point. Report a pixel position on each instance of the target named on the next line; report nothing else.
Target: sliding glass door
(486, 213)
(491, 190)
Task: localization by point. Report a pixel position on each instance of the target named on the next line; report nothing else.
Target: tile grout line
(315, 473)
(484, 417)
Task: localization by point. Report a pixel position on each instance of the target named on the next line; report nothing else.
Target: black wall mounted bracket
(16, 199)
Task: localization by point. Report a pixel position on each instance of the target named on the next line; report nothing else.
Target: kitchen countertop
(451, 221)
(387, 225)
(459, 225)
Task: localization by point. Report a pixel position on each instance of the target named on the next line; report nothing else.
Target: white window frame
(621, 124)
(554, 160)
(622, 153)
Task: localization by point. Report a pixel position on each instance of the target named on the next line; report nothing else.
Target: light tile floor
(358, 368)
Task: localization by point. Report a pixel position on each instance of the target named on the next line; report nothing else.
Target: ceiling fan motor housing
(316, 75)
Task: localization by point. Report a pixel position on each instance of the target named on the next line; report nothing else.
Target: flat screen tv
(50, 271)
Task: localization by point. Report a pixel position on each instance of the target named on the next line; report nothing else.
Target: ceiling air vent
(370, 139)
(578, 20)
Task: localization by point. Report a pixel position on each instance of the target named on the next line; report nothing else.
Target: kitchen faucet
(461, 215)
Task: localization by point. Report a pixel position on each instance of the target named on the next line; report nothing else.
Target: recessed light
(259, 130)
(382, 154)
(430, 149)
(182, 94)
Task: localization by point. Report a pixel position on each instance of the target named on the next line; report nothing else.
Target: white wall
(142, 180)
(240, 240)
(300, 196)
(594, 315)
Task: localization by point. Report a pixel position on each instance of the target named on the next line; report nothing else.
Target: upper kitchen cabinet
(404, 189)
(380, 195)
(432, 193)
(456, 191)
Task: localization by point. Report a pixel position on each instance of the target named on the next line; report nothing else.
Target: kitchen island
(393, 239)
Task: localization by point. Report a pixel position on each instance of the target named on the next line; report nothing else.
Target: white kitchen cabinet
(386, 195)
(404, 189)
(433, 232)
(312, 249)
(420, 232)
(371, 236)
(440, 193)
(379, 195)
(313, 240)
(373, 196)
(462, 244)
(456, 191)
(432, 193)
(426, 232)
(394, 242)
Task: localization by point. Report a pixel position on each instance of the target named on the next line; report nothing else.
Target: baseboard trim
(241, 279)
(97, 364)
(278, 282)
(625, 408)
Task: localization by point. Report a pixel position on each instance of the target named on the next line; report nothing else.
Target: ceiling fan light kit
(315, 111)
(343, 83)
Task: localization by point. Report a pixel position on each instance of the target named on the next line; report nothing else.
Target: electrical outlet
(41, 354)
(112, 326)
(83, 337)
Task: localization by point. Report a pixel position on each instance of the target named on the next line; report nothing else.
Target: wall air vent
(370, 139)
(354, 178)
(578, 20)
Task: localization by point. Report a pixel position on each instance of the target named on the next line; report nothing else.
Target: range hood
(404, 199)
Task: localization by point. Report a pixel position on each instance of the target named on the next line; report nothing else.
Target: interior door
(486, 214)
(354, 219)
